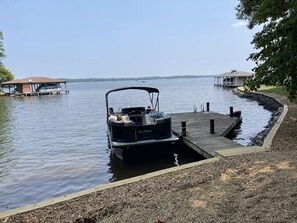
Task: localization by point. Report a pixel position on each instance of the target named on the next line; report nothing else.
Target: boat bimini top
(153, 95)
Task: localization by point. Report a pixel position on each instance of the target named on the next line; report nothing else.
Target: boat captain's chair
(138, 117)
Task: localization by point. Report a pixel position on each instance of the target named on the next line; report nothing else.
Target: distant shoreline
(69, 80)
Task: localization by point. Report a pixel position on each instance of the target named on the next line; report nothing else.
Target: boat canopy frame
(153, 95)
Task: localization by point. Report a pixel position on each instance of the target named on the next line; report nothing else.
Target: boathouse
(233, 78)
(28, 86)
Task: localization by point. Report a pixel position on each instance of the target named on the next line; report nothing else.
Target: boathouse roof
(235, 73)
(33, 80)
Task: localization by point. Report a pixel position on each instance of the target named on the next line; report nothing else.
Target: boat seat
(162, 120)
(138, 117)
(125, 118)
(148, 120)
(123, 122)
(116, 123)
(159, 120)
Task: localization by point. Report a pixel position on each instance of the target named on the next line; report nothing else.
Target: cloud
(239, 24)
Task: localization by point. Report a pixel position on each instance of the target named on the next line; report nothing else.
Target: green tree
(275, 43)
(2, 51)
(5, 75)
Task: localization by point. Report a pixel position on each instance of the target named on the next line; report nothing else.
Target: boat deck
(198, 136)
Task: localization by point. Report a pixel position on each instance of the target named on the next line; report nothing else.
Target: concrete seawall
(272, 104)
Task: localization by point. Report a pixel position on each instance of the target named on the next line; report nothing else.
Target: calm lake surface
(54, 145)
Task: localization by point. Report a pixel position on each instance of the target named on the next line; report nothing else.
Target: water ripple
(57, 144)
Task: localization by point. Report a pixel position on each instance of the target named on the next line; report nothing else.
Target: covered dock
(28, 86)
(233, 78)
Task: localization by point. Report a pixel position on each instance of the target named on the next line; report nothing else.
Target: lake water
(54, 145)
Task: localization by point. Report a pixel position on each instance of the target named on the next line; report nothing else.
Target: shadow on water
(233, 135)
(146, 159)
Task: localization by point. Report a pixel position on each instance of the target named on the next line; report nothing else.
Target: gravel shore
(258, 187)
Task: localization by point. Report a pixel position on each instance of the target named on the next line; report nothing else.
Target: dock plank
(198, 135)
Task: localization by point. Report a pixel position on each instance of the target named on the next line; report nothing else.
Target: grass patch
(274, 89)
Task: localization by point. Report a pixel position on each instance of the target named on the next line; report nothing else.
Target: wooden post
(231, 112)
(212, 126)
(207, 106)
(184, 128)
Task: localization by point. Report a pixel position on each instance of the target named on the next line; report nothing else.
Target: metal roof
(33, 80)
(234, 73)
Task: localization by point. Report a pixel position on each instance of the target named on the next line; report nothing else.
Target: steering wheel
(134, 112)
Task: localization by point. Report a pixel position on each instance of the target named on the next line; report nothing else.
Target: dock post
(212, 126)
(231, 112)
(207, 106)
(184, 128)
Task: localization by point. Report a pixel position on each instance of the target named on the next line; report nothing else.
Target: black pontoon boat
(137, 126)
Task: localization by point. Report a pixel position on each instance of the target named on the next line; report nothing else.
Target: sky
(123, 38)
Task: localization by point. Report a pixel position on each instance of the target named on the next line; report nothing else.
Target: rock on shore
(271, 104)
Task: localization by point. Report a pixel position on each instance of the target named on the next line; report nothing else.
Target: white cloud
(239, 24)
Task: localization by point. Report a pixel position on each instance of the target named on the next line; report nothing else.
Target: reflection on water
(151, 158)
(6, 137)
(53, 145)
(235, 133)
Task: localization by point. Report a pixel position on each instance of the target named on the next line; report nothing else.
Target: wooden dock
(198, 136)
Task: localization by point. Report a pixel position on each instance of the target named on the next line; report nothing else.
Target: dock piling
(212, 126)
(207, 106)
(198, 136)
(184, 128)
(231, 112)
